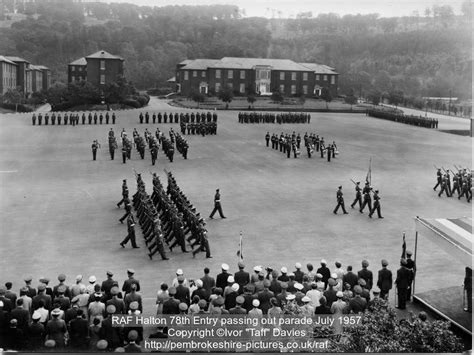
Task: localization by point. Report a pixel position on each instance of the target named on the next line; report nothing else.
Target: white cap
(255, 303)
(225, 267)
(179, 272)
(306, 299)
(323, 261)
(298, 265)
(284, 270)
(298, 286)
(230, 279)
(79, 278)
(290, 297)
(257, 268)
(339, 294)
(199, 283)
(92, 279)
(235, 287)
(334, 275)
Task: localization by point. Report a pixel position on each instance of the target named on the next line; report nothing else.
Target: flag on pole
(239, 252)
(368, 178)
(404, 247)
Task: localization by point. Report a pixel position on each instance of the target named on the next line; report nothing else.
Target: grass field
(59, 214)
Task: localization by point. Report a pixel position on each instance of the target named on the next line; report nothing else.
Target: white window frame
(218, 73)
(325, 77)
(102, 79)
(317, 77)
(305, 76)
(230, 74)
(293, 89)
(195, 73)
(282, 88)
(333, 79)
(242, 74)
(242, 88)
(102, 64)
(73, 68)
(203, 74)
(218, 87)
(186, 75)
(282, 75)
(293, 76)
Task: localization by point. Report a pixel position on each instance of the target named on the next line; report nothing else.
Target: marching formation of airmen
(461, 183)
(198, 117)
(287, 143)
(153, 142)
(407, 119)
(72, 118)
(267, 117)
(363, 197)
(201, 128)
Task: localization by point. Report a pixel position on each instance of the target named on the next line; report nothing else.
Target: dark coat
(403, 278)
(385, 280)
(367, 276)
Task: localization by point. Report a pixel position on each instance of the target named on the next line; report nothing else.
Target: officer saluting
(217, 205)
(340, 201)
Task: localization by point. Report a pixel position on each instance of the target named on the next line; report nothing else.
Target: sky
(289, 8)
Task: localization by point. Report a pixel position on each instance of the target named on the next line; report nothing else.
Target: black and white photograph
(251, 176)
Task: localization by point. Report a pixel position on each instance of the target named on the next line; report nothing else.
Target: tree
(12, 96)
(374, 97)
(351, 99)
(326, 96)
(277, 97)
(251, 99)
(301, 99)
(197, 97)
(226, 95)
(395, 97)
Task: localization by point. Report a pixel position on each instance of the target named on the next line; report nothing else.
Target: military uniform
(340, 201)
(358, 197)
(376, 205)
(217, 205)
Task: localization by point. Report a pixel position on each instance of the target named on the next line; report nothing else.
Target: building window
(186, 75)
(325, 78)
(195, 73)
(102, 79)
(242, 87)
(282, 88)
(282, 76)
(102, 65)
(333, 79)
(73, 68)
(317, 77)
(305, 89)
(218, 87)
(79, 68)
(72, 79)
(242, 74)
(305, 76)
(230, 86)
(230, 74)
(293, 89)
(218, 73)
(203, 74)
(293, 76)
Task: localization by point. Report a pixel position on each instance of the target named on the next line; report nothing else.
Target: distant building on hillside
(16, 72)
(99, 68)
(260, 75)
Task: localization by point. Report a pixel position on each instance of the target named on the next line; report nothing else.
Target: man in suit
(357, 304)
(79, 331)
(384, 281)
(265, 296)
(366, 274)
(9, 293)
(208, 282)
(21, 315)
(108, 284)
(111, 333)
(182, 292)
(127, 285)
(7, 303)
(242, 277)
(171, 305)
(221, 279)
(402, 282)
(132, 347)
(61, 279)
(324, 270)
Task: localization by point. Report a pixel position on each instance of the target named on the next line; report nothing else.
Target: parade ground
(59, 212)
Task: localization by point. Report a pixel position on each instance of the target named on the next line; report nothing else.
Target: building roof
(80, 61)
(35, 67)
(319, 68)
(251, 63)
(42, 67)
(103, 55)
(16, 59)
(4, 59)
(200, 64)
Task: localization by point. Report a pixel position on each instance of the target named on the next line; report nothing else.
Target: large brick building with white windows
(260, 75)
(99, 68)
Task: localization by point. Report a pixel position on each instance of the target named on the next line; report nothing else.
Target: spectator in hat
(35, 333)
(325, 272)
(374, 301)
(311, 273)
(31, 291)
(230, 282)
(15, 336)
(291, 283)
(76, 288)
(208, 282)
(274, 310)
(91, 286)
(132, 347)
(242, 277)
(357, 304)
(202, 307)
(61, 279)
(175, 282)
(110, 332)
(200, 291)
(133, 296)
(319, 282)
(134, 311)
(71, 313)
(339, 274)
(402, 281)
(218, 307)
(12, 296)
(281, 297)
(183, 308)
(265, 296)
(350, 277)
(96, 308)
(257, 270)
(258, 285)
(27, 301)
(65, 302)
(323, 307)
(127, 285)
(56, 329)
(194, 307)
(118, 303)
(330, 293)
(82, 301)
(21, 315)
(366, 274)
(182, 292)
(365, 292)
(78, 331)
(41, 296)
(299, 293)
(238, 309)
(338, 308)
(108, 283)
(49, 290)
(95, 333)
(171, 305)
(7, 303)
(230, 298)
(161, 297)
(215, 297)
(314, 294)
(290, 306)
(384, 281)
(298, 273)
(221, 279)
(284, 275)
(255, 312)
(306, 308)
(348, 294)
(43, 312)
(306, 284)
(275, 285)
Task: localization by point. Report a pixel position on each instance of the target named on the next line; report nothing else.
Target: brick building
(18, 73)
(99, 68)
(260, 75)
